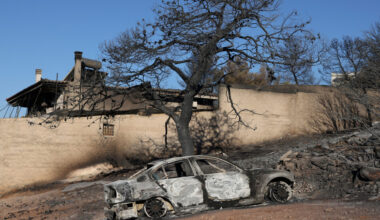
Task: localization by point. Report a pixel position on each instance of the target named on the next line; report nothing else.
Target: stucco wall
(31, 153)
(275, 114)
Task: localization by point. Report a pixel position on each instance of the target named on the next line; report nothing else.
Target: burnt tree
(299, 54)
(205, 34)
(357, 60)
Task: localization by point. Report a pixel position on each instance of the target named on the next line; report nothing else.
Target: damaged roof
(29, 95)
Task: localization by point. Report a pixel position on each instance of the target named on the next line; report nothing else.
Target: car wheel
(279, 191)
(155, 208)
(110, 215)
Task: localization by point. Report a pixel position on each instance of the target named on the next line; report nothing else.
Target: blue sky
(44, 33)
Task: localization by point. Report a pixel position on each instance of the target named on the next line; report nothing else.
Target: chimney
(38, 75)
(78, 66)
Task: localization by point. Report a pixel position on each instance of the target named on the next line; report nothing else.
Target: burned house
(84, 92)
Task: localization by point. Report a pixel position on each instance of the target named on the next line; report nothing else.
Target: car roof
(174, 159)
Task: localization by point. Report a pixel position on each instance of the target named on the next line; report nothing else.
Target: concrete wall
(31, 153)
(275, 114)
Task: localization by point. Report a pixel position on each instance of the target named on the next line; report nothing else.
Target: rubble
(369, 173)
(347, 166)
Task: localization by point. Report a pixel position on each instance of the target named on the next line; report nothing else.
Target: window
(173, 170)
(108, 129)
(159, 174)
(178, 169)
(216, 166)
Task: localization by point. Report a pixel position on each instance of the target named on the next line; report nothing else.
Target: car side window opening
(173, 170)
(159, 174)
(178, 169)
(216, 166)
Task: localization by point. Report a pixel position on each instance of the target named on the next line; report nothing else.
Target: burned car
(193, 183)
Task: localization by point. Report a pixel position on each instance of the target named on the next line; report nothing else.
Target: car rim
(280, 192)
(155, 208)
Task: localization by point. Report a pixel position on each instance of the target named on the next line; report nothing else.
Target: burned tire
(110, 215)
(155, 208)
(279, 191)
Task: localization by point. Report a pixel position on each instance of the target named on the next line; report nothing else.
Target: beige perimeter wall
(275, 114)
(31, 153)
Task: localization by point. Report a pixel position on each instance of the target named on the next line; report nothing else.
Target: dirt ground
(72, 200)
(310, 210)
(79, 203)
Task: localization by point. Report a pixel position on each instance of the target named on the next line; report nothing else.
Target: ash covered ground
(337, 175)
(341, 166)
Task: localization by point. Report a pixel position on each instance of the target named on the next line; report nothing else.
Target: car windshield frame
(139, 173)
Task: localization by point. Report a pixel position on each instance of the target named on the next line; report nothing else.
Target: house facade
(83, 92)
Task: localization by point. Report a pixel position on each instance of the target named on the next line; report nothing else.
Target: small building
(84, 92)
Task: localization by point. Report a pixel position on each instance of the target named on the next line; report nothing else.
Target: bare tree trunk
(295, 78)
(183, 127)
(369, 116)
(185, 139)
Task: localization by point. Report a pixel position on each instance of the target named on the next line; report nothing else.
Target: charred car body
(193, 183)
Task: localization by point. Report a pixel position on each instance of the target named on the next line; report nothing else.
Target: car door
(179, 182)
(223, 181)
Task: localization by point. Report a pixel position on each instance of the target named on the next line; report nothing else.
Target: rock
(377, 197)
(324, 144)
(291, 166)
(331, 169)
(359, 138)
(377, 152)
(320, 162)
(377, 163)
(370, 173)
(334, 140)
(286, 155)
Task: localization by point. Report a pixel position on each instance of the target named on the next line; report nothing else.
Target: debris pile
(347, 166)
